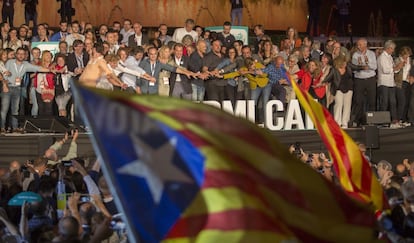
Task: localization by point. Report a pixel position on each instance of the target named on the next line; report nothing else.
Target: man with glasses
(126, 31)
(77, 60)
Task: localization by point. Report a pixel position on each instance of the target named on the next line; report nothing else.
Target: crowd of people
(74, 203)
(192, 63)
(397, 182)
(198, 64)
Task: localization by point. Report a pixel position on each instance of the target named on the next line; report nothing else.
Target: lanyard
(152, 69)
(18, 71)
(80, 61)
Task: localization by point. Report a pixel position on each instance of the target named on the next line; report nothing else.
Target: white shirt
(131, 73)
(179, 33)
(385, 70)
(126, 35)
(138, 39)
(406, 69)
(178, 62)
(71, 38)
(367, 58)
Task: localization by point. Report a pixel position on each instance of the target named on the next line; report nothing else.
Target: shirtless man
(97, 69)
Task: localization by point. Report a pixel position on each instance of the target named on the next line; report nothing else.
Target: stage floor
(394, 144)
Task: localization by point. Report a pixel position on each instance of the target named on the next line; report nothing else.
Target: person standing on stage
(7, 11)
(66, 10)
(236, 13)
(365, 84)
(16, 69)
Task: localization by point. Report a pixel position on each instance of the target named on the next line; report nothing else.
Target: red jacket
(307, 81)
(50, 83)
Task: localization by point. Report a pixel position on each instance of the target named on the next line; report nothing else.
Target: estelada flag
(352, 168)
(187, 172)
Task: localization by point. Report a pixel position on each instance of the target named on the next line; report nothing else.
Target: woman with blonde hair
(267, 52)
(44, 84)
(310, 75)
(164, 56)
(293, 38)
(342, 89)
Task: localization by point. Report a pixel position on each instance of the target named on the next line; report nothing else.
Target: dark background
(401, 10)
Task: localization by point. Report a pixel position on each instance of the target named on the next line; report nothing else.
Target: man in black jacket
(180, 85)
(77, 60)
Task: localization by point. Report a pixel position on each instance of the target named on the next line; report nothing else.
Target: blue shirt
(19, 70)
(275, 74)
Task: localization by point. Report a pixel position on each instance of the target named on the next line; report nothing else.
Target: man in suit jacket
(180, 85)
(152, 66)
(137, 39)
(77, 60)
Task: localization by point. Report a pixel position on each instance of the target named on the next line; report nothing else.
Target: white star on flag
(155, 166)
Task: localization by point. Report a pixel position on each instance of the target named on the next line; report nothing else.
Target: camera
(117, 224)
(25, 171)
(67, 163)
(85, 198)
(297, 150)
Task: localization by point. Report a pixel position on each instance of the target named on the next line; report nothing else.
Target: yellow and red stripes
(354, 172)
(253, 190)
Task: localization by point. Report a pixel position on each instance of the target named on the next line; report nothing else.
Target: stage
(394, 144)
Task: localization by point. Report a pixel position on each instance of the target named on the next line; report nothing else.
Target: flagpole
(102, 155)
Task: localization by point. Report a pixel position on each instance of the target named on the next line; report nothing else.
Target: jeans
(198, 92)
(236, 13)
(388, 101)
(33, 98)
(30, 16)
(11, 100)
(265, 93)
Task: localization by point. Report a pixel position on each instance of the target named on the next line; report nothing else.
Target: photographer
(32, 170)
(384, 173)
(51, 152)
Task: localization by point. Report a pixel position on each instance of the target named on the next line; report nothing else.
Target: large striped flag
(352, 168)
(187, 172)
